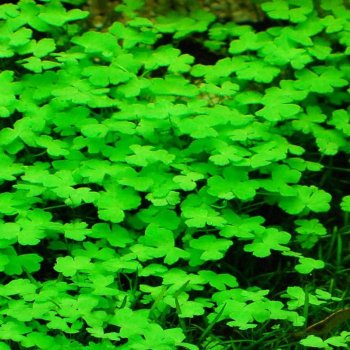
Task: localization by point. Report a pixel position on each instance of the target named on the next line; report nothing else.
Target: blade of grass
(212, 324)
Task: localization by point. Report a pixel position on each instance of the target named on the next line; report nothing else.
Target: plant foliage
(153, 200)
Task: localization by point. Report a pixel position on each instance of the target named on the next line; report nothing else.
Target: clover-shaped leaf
(345, 204)
(281, 176)
(112, 202)
(311, 198)
(225, 154)
(8, 96)
(144, 155)
(322, 80)
(341, 120)
(102, 76)
(278, 104)
(309, 232)
(306, 121)
(43, 47)
(130, 37)
(158, 242)
(257, 70)
(9, 169)
(314, 342)
(219, 281)
(213, 74)
(187, 182)
(249, 41)
(186, 308)
(234, 183)
(296, 11)
(69, 266)
(269, 239)
(297, 297)
(242, 227)
(55, 14)
(213, 248)
(76, 230)
(173, 85)
(98, 43)
(329, 142)
(281, 52)
(34, 226)
(184, 25)
(307, 265)
(201, 216)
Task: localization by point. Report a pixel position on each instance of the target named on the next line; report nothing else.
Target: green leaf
(69, 266)
(296, 11)
(20, 37)
(213, 248)
(55, 14)
(8, 96)
(14, 203)
(219, 281)
(9, 169)
(183, 26)
(307, 265)
(104, 44)
(214, 74)
(314, 342)
(144, 155)
(256, 70)
(234, 183)
(13, 330)
(244, 227)
(329, 142)
(187, 182)
(281, 177)
(76, 230)
(168, 56)
(201, 216)
(307, 121)
(338, 341)
(131, 37)
(268, 152)
(277, 104)
(54, 147)
(8, 10)
(43, 47)
(297, 297)
(114, 201)
(280, 52)
(39, 340)
(185, 308)
(30, 262)
(249, 41)
(173, 85)
(269, 239)
(4, 346)
(156, 243)
(309, 232)
(341, 120)
(131, 322)
(311, 198)
(345, 204)
(81, 195)
(160, 216)
(322, 80)
(332, 24)
(321, 48)
(225, 154)
(102, 76)
(34, 225)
